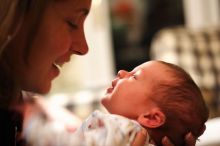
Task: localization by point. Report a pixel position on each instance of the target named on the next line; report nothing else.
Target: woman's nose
(122, 73)
(81, 47)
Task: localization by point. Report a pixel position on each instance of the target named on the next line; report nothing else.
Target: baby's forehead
(151, 66)
(156, 71)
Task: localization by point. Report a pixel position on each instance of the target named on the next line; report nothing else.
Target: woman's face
(59, 35)
(130, 91)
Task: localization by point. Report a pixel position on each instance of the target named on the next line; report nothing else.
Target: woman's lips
(58, 65)
(55, 71)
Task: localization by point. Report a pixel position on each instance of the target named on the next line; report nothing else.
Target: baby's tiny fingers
(166, 141)
(190, 140)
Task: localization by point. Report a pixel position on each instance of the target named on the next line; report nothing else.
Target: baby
(162, 98)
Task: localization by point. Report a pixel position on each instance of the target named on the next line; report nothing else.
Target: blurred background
(122, 34)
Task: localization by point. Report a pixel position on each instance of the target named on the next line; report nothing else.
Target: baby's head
(181, 102)
(161, 97)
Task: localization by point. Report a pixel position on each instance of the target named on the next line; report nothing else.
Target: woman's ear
(152, 119)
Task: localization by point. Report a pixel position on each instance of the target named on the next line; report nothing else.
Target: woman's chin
(44, 89)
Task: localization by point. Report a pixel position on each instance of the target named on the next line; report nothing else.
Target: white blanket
(98, 129)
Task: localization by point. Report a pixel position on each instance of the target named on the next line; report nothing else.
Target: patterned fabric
(98, 129)
(198, 52)
(108, 130)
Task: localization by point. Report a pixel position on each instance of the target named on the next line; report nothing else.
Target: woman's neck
(10, 94)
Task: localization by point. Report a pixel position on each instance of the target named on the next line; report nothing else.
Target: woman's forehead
(72, 9)
(68, 5)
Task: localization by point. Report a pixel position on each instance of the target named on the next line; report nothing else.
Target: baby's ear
(152, 119)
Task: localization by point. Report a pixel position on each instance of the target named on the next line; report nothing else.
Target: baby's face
(130, 91)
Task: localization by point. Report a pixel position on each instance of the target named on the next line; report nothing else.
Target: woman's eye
(72, 24)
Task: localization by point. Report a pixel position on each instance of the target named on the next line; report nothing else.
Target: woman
(36, 38)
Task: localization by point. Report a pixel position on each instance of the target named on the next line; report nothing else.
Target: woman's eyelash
(72, 24)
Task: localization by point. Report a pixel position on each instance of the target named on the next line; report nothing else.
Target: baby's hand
(140, 138)
(189, 139)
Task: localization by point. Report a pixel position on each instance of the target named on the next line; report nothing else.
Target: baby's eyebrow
(137, 72)
(136, 69)
(132, 72)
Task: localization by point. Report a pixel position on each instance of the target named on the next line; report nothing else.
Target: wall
(202, 13)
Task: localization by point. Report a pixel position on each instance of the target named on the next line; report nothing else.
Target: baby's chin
(105, 102)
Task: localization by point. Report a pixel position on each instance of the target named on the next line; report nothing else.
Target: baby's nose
(122, 73)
